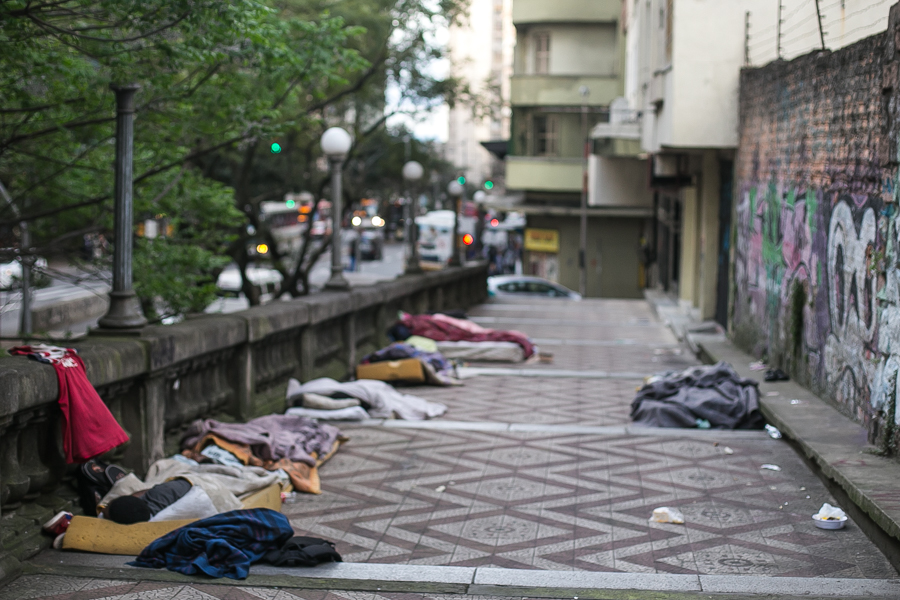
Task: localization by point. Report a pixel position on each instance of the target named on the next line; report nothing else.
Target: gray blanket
(272, 437)
(713, 393)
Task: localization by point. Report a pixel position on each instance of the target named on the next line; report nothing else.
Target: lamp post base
(124, 312)
(413, 267)
(337, 282)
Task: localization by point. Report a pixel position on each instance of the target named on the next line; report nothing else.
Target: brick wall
(816, 267)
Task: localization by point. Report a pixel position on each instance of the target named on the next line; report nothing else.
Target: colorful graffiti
(839, 255)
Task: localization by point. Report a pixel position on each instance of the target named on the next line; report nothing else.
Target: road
(66, 283)
(370, 271)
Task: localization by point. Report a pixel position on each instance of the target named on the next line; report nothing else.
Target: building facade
(568, 70)
(683, 64)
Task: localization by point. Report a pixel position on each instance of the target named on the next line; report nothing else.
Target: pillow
(196, 504)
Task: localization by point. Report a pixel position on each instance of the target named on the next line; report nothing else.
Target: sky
(433, 125)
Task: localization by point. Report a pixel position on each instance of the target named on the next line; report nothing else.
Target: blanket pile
(379, 399)
(443, 328)
(296, 445)
(221, 546)
(712, 394)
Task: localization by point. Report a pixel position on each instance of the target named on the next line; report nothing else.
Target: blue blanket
(221, 546)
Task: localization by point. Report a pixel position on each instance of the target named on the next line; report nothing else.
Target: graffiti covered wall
(816, 271)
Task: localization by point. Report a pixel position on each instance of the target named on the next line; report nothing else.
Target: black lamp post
(124, 306)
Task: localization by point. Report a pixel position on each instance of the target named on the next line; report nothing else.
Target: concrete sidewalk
(536, 485)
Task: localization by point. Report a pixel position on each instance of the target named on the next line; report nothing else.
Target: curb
(485, 581)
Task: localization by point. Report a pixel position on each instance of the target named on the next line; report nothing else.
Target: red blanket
(442, 328)
(89, 429)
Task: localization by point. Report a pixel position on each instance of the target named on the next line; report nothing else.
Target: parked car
(523, 285)
(229, 282)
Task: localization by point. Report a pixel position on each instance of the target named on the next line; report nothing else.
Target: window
(546, 135)
(542, 53)
(539, 288)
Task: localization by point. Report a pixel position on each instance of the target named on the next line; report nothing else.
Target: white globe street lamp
(335, 144)
(412, 173)
(456, 191)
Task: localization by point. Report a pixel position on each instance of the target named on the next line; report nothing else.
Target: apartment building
(682, 69)
(568, 70)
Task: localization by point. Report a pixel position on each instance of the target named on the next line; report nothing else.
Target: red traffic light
(494, 222)
(468, 239)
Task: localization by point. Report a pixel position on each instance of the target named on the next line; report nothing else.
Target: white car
(526, 286)
(267, 280)
(11, 272)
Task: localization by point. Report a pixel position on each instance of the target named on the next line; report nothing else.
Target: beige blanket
(223, 484)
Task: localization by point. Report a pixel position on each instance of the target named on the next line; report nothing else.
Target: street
(369, 271)
(536, 478)
(66, 285)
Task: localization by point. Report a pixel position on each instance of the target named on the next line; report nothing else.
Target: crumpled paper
(829, 512)
(665, 514)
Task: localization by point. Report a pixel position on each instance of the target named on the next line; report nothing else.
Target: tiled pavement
(560, 401)
(576, 502)
(552, 499)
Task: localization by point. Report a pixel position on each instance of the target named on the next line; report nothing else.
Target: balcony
(566, 11)
(543, 173)
(562, 90)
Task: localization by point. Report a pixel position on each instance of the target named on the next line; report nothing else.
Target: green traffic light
(276, 148)
(488, 185)
(291, 204)
(461, 180)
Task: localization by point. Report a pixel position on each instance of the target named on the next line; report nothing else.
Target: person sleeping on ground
(145, 504)
(180, 488)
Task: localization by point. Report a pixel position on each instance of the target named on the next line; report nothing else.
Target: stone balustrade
(230, 367)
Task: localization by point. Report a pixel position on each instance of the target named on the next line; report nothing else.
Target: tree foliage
(218, 81)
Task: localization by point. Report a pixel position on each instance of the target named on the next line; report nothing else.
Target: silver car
(526, 286)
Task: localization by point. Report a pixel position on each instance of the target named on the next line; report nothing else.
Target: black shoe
(776, 375)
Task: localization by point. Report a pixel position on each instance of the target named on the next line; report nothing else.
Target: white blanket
(482, 351)
(382, 400)
(352, 413)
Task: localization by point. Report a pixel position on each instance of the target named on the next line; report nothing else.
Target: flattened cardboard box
(407, 369)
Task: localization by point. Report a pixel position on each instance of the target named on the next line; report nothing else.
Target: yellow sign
(542, 240)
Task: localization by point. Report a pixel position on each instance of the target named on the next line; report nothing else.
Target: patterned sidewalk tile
(557, 401)
(624, 358)
(546, 501)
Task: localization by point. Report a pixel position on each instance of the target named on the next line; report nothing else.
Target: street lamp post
(335, 144)
(412, 173)
(582, 246)
(124, 306)
(456, 191)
